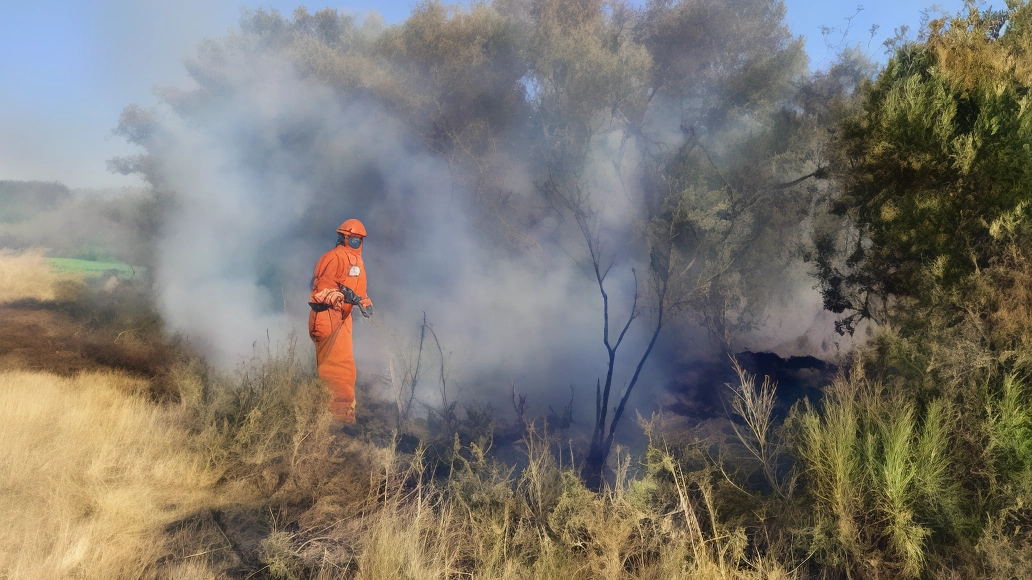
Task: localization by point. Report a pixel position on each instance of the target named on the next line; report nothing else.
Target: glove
(349, 296)
(367, 311)
(326, 298)
(336, 299)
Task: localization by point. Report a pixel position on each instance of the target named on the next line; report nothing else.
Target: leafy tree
(461, 72)
(706, 192)
(937, 159)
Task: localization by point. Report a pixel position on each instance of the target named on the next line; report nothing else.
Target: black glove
(367, 311)
(349, 296)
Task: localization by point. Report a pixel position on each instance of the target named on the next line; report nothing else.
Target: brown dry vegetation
(40, 340)
(124, 456)
(64, 322)
(92, 470)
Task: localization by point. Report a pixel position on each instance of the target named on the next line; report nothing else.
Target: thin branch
(634, 308)
(444, 385)
(637, 371)
(521, 407)
(819, 173)
(415, 373)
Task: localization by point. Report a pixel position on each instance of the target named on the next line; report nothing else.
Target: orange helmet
(352, 227)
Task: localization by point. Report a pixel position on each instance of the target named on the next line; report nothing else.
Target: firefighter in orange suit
(338, 286)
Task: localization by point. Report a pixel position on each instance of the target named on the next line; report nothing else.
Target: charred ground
(702, 387)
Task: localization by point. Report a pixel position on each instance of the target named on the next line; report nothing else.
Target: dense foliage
(936, 168)
(924, 449)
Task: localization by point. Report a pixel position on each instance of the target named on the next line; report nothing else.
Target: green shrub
(881, 476)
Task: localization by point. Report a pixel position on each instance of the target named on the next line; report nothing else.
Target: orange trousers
(335, 357)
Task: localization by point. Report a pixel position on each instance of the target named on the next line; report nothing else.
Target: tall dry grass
(91, 473)
(27, 275)
(485, 520)
(97, 482)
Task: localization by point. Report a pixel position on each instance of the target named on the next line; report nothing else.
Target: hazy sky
(68, 68)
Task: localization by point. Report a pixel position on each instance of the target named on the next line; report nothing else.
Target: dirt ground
(36, 338)
(66, 338)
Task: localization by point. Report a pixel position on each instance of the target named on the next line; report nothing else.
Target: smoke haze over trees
(514, 162)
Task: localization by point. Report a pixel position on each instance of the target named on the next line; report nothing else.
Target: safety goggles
(354, 242)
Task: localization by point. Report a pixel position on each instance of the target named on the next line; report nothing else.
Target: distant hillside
(21, 200)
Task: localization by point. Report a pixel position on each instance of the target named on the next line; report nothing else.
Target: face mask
(354, 242)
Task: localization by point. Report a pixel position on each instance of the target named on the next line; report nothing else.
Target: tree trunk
(593, 470)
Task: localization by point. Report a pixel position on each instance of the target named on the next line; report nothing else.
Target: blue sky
(68, 68)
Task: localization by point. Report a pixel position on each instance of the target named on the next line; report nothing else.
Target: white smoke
(263, 174)
(260, 187)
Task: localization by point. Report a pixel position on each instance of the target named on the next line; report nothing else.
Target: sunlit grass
(878, 468)
(28, 275)
(90, 474)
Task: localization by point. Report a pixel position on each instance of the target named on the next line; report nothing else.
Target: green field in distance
(92, 268)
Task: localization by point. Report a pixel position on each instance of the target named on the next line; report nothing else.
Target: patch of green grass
(93, 268)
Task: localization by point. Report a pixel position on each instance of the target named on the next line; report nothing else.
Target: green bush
(1009, 428)
(881, 476)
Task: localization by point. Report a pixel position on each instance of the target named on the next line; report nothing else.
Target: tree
(698, 191)
(933, 163)
(461, 73)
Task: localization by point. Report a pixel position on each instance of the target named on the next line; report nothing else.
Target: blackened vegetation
(701, 386)
(91, 325)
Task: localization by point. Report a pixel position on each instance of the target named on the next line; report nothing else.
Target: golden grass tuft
(90, 476)
(27, 275)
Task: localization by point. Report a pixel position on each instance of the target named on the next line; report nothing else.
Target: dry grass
(96, 481)
(27, 275)
(90, 475)
(486, 521)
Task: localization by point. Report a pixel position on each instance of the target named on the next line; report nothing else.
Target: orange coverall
(329, 325)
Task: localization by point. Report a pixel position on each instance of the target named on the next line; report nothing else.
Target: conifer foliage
(937, 160)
